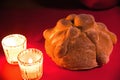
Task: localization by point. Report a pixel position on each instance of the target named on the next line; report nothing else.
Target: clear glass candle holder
(31, 64)
(13, 44)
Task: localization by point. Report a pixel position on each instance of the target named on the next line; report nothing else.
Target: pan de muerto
(78, 42)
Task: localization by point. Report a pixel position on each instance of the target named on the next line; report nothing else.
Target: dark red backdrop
(32, 23)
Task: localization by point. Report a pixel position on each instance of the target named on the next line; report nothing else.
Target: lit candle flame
(30, 60)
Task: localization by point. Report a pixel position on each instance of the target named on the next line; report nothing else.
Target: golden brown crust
(77, 42)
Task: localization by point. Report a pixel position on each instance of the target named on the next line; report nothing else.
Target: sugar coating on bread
(78, 42)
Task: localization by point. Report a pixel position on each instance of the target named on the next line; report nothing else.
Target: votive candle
(31, 64)
(13, 44)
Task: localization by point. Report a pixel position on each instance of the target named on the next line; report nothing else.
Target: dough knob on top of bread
(78, 42)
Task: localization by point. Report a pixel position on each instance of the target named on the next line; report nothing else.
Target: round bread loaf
(77, 42)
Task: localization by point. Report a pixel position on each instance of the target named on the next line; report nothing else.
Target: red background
(31, 22)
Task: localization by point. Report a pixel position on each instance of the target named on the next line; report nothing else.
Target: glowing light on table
(31, 64)
(12, 45)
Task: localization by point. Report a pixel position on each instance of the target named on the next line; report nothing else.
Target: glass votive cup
(31, 64)
(12, 45)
